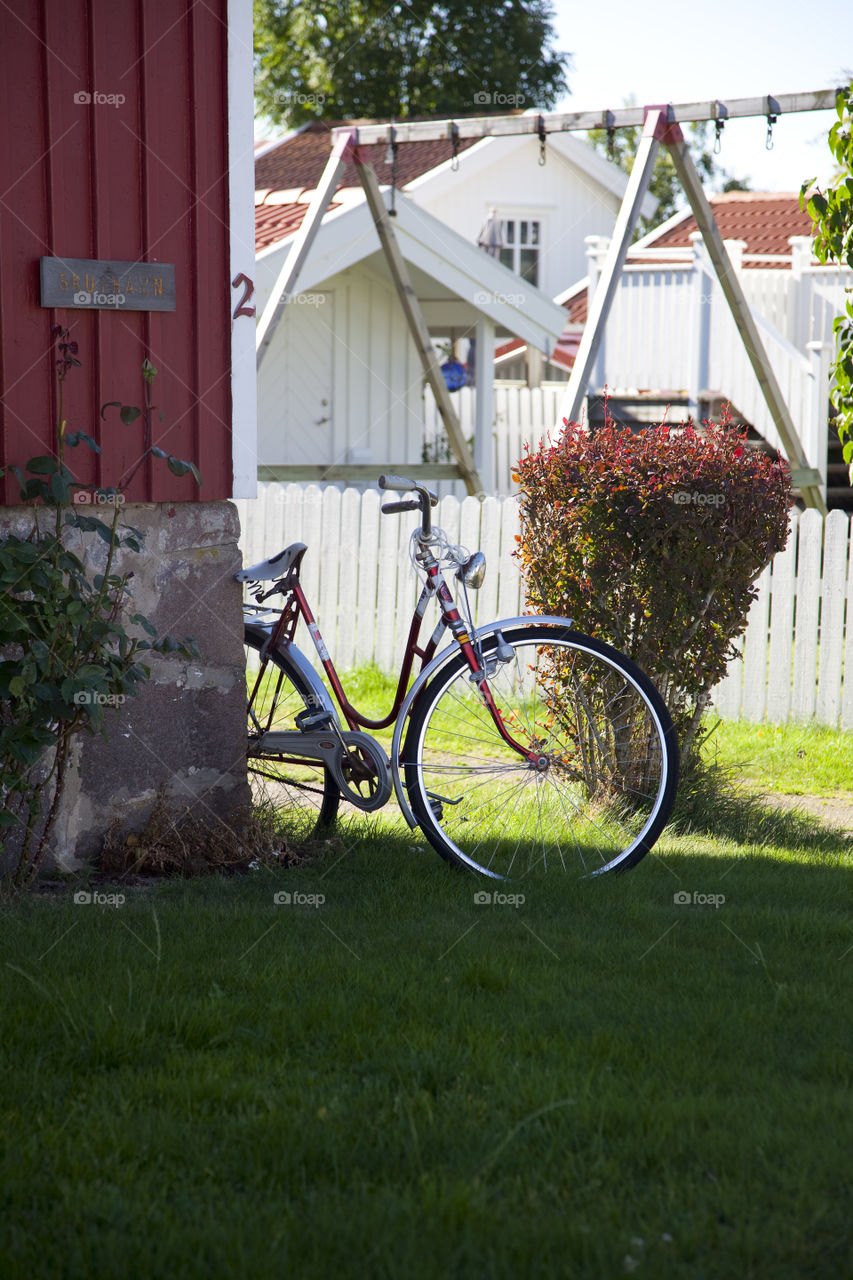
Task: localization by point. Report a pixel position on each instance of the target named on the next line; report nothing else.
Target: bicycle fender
(428, 672)
(320, 694)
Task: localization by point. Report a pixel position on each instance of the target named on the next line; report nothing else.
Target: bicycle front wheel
(594, 784)
(303, 790)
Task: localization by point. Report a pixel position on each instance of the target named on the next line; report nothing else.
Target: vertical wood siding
(144, 180)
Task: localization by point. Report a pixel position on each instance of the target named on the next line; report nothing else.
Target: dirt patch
(835, 810)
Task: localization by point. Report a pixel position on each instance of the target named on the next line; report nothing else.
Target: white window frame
(517, 216)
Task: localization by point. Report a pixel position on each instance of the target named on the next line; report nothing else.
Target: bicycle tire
(306, 789)
(603, 786)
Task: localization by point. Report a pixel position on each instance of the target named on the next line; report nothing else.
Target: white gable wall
(568, 203)
(346, 357)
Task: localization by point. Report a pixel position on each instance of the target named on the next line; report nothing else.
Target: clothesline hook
(773, 112)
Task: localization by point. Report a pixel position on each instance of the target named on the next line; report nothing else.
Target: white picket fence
(358, 578)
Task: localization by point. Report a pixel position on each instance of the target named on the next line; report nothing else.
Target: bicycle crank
(356, 761)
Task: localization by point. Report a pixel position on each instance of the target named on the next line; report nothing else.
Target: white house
(341, 384)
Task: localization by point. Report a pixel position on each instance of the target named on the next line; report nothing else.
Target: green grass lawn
(400, 1081)
(792, 758)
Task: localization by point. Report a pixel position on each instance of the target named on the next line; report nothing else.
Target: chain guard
(364, 760)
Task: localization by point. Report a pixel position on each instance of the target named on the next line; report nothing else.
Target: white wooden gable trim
(347, 236)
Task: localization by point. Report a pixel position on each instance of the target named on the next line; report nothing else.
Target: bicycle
(526, 742)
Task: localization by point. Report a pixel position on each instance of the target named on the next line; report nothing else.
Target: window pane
(529, 265)
(505, 258)
(523, 238)
(534, 233)
(509, 232)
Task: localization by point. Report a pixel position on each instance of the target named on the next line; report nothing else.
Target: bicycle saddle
(276, 567)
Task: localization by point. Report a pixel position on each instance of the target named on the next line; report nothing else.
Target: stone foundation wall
(185, 732)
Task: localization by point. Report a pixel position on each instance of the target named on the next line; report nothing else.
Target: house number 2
(248, 289)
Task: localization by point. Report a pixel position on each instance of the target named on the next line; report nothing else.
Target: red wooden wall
(143, 179)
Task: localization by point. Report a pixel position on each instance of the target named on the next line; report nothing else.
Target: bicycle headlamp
(473, 570)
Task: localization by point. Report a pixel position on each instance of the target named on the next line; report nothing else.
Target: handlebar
(411, 504)
(399, 484)
(425, 499)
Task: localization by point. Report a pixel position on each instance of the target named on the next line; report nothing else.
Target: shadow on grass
(711, 802)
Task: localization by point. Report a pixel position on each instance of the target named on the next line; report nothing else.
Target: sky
(685, 52)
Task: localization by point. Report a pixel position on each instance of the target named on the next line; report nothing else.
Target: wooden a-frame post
(659, 129)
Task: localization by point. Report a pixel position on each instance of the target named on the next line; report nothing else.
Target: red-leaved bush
(652, 542)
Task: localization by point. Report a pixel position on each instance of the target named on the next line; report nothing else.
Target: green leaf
(59, 488)
(110, 404)
(143, 622)
(180, 468)
(27, 553)
(158, 452)
(128, 413)
(87, 439)
(34, 489)
(105, 532)
(43, 465)
(7, 819)
(86, 524)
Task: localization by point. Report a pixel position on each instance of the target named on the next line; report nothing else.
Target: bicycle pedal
(308, 720)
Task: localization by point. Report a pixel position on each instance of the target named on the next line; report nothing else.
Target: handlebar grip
(399, 484)
(410, 504)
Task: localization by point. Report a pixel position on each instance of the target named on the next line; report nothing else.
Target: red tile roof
(299, 161)
(275, 221)
(765, 220)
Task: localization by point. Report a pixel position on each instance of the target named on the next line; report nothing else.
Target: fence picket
(344, 650)
(408, 586)
(369, 540)
(782, 627)
(487, 596)
(754, 694)
(847, 690)
(509, 585)
(804, 692)
(833, 581)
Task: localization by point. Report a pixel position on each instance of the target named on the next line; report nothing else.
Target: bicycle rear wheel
(602, 783)
(304, 789)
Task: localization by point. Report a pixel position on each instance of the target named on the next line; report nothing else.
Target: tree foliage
(620, 146)
(336, 60)
(832, 214)
(652, 542)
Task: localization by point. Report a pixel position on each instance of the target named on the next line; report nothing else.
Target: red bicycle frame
(297, 606)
